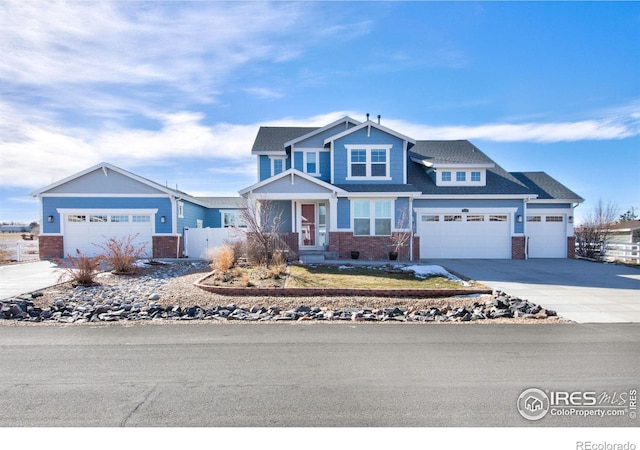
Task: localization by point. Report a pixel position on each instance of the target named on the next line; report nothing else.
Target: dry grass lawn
(363, 278)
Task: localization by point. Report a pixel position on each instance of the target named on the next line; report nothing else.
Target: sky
(176, 91)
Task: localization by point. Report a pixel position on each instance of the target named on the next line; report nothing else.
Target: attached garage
(465, 235)
(546, 235)
(85, 230)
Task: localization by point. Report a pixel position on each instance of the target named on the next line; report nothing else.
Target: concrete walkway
(18, 279)
(577, 290)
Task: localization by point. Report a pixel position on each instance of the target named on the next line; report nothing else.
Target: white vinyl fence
(197, 241)
(624, 252)
(20, 251)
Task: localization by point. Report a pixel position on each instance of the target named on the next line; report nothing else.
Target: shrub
(278, 265)
(5, 257)
(80, 270)
(222, 258)
(120, 254)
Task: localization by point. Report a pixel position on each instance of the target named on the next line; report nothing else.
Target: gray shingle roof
(378, 187)
(224, 202)
(272, 139)
(545, 186)
(499, 181)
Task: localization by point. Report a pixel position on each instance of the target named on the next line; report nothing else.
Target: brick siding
(166, 246)
(51, 247)
(370, 247)
(517, 247)
(571, 247)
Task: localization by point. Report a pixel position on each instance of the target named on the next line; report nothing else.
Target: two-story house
(350, 186)
(347, 186)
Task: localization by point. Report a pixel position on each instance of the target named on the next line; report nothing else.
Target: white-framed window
(76, 218)
(199, 223)
(430, 218)
(534, 219)
(311, 163)
(368, 162)
(372, 217)
(181, 210)
(140, 219)
(554, 219)
(232, 218)
(461, 177)
(277, 166)
(97, 218)
(119, 219)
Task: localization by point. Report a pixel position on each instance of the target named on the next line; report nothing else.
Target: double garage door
(465, 235)
(85, 231)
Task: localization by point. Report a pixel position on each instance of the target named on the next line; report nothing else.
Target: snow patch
(433, 271)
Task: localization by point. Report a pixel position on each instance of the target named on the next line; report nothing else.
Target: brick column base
(571, 247)
(167, 246)
(51, 247)
(517, 247)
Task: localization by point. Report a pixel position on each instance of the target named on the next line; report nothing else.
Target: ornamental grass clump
(120, 254)
(222, 258)
(80, 270)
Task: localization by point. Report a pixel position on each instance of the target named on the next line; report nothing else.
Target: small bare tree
(263, 220)
(594, 233)
(402, 235)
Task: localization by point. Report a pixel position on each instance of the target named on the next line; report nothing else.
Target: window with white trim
(370, 162)
(140, 219)
(461, 176)
(554, 219)
(476, 176)
(180, 210)
(311, 163)
(446, 176)
(232, 219)
(372, 217)
(76, 218)
(277, 166)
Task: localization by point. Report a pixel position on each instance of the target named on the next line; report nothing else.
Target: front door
(313, 225)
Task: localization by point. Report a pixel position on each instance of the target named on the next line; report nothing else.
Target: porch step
(316, 257)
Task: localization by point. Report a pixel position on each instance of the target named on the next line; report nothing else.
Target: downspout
(524, 229)
(411, 228)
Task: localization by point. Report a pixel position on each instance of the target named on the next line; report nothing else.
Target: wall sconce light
(570, 219)
(465, 210)
(50, 219)
(163, 219)
(519, 218)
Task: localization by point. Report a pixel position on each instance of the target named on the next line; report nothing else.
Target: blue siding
(297, 161)
(549, 205)
(401, 206)
(317, 141)
(396, 155)
(50, 204)
(213, 218)
(264, 167)
(192, 213)
(325, 166)
(284, 206)
(344, 213)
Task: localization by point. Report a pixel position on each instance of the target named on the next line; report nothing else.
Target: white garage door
(547, 236)
(82, 231)
(465, 236)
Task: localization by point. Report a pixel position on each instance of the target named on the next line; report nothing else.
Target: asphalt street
(308, 375)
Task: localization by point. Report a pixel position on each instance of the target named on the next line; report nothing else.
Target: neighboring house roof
(224, 202)
(546, 187)
(628, 225)
(270, 140)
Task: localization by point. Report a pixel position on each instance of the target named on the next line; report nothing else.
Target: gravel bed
(167, 291)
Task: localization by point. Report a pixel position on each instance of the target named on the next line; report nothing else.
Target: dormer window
(463, 176)
(368, 162)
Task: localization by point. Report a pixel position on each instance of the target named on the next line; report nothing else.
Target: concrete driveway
(577, 290)
(18, 279)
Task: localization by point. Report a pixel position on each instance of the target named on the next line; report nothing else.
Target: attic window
(462, 177)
